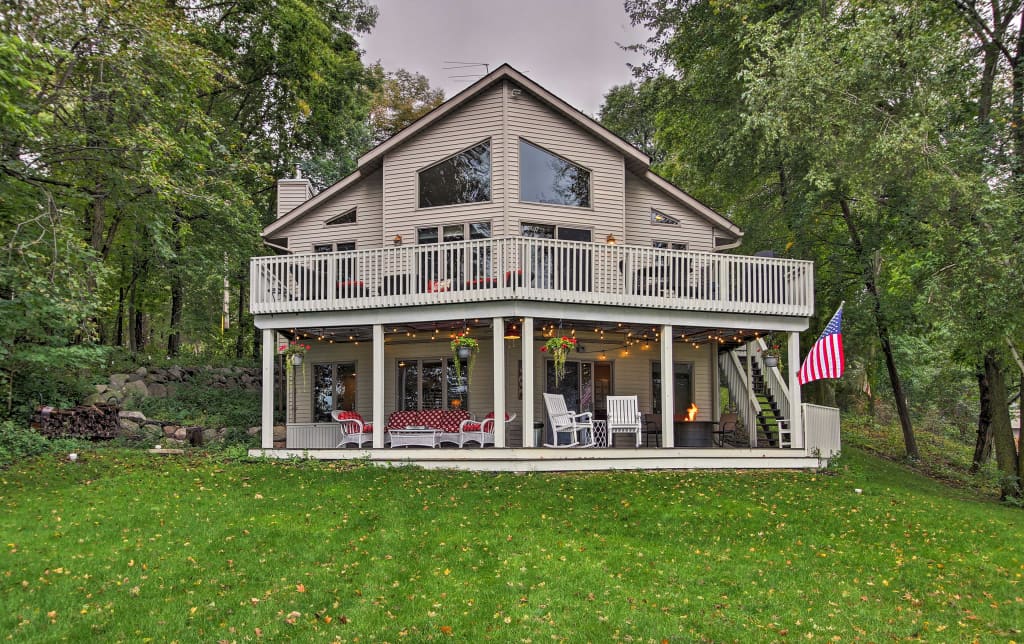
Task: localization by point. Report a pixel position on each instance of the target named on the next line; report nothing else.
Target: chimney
(292, 192)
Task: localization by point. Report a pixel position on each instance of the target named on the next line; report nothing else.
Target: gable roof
(635, 160)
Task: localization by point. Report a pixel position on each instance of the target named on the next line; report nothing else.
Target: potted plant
(559, 348)
(464, 348)
(770, 354)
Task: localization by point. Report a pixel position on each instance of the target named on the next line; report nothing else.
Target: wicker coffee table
(415, 436)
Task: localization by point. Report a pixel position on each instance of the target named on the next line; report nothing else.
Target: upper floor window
(344, 218)
(461, 178)
(453, 232)
(548, 178)
(327, 248)
(662, 218)
(672, 245)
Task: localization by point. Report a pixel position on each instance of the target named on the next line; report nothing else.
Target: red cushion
(368, 428)
(471, 427)
(491, 415)
(348, 415)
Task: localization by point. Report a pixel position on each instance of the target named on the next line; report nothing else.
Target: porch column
(527, 341)
(668, 436)
(498, 328)
(378, 386)
(796, 421)
(267, 402)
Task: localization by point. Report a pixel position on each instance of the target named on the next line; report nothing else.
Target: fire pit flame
(691, 412)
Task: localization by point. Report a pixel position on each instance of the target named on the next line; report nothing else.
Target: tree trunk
(882, 331)
(119, 324)
(240, 338)
(1006, 452)
(140, 331)
(983, 443)
(177, 291)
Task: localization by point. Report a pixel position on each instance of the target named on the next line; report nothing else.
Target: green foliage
(402, 98)
(313, 551)
(206, 406)
(18, 441)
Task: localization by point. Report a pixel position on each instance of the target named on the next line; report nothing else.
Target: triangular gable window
(461, 178)
(344, 218)
(663, 219)
(547, 178)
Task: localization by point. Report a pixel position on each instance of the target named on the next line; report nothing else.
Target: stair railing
(774, 382)
(740, 390)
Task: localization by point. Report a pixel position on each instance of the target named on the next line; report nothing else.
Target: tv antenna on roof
(461, 64)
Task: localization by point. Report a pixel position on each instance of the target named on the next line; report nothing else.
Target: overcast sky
(571, 47)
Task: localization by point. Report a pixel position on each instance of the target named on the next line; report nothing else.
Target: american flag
(825, 359)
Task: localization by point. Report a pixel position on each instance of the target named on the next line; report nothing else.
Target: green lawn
(125, 546)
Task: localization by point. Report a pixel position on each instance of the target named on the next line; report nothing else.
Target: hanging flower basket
(771, 353)
(559, 349)
(294, 355)
(771, 361)
(464, 348)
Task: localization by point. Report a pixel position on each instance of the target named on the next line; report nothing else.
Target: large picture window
(547, 178)
(461, 178)
(431, 384)
(334, 387)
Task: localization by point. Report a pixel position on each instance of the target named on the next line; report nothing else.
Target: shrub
(18, 442)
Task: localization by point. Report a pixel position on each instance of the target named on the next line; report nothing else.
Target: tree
(402, 98)
(630, 111)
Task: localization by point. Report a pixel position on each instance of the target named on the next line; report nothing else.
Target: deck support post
(796, 421)
(267, 407)
(668, 437)
(498, 329)
(527, 340)
(378, 386)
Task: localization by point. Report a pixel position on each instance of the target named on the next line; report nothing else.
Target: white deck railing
(531, 269)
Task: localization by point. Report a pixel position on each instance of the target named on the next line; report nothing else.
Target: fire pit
(693, 433)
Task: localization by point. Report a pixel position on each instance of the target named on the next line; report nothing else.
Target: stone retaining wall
(159, 382)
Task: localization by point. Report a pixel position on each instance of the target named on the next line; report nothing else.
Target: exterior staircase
(761, 397)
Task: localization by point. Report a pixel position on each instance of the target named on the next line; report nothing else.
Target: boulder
(136, 388)
(117, 380)
(175, 373)
(134, 416)
(280, 432)
(179, 434)
(254, 431)
(101, 388)
(157, 390)
(169, 430)
(142, 372)
(128, 427)
(93, 399)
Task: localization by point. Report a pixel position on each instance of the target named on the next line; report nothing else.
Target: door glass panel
(458, 389)
(569, 386)
(345, 386)
(409, 386)
(433, 385)
(322, 399)
(586, 386)
(682, 374)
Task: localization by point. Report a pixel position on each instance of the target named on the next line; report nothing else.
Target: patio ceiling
(605, 332)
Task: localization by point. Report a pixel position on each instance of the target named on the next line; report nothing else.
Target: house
(508, 216)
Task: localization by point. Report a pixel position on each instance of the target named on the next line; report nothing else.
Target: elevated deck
(544, 270)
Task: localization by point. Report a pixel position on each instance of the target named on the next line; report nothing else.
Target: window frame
(467, 231)
(490, 177)
(351, 211)
(446, 361)
(590, 178)
(670, 220)
(656, 398)
(669, 245)
(334, 247)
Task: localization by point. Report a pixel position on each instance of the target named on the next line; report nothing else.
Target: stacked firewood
(91, 422)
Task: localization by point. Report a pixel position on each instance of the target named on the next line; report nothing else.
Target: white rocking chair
(578, 427)
(623, 417)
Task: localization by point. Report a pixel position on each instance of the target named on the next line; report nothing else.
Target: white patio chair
(578, 427)
(353, 429)
(623, 417)
(481, 431)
